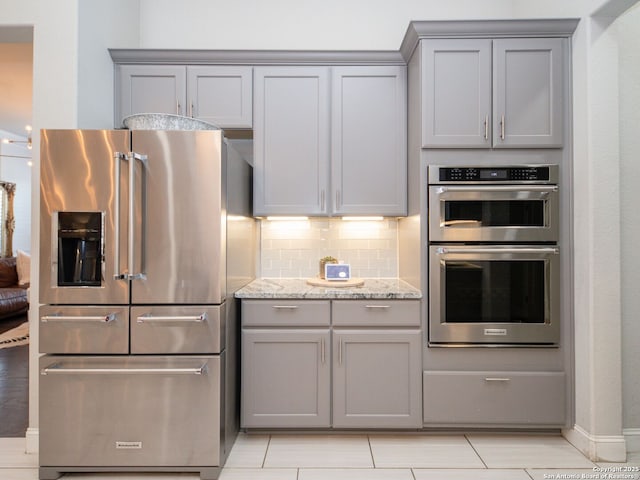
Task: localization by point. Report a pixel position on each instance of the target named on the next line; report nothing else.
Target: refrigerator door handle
(132, 211)
(117, 274)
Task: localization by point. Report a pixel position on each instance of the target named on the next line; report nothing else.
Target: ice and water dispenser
(79, 249)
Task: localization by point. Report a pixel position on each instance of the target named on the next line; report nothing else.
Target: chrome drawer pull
(377, 306)
(58, 370)
(497, 379)
(285, 307)
(192, 318)
(68, 318)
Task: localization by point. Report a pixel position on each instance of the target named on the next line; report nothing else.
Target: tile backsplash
(292, 249)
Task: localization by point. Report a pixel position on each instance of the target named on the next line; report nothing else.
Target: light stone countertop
(298, 288)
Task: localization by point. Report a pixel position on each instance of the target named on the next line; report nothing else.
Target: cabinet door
(291, 140)
(456, 93)
(221, 95)
(150, 89)
(285, 378)
(376, 379)
(528, 94)
(369, 140)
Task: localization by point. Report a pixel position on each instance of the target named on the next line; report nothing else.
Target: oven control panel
(535, 174)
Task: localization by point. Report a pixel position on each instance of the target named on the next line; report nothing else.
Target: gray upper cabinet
(528, 100)
(456, 93)
(369, 140)
(330, 141)
(221, 95)
(150, 89)
(291, 140)
(483, 93)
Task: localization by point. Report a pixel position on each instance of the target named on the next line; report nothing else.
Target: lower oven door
(494, 295)
(123, 411)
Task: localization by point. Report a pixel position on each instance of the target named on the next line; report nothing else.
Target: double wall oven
(494, 267)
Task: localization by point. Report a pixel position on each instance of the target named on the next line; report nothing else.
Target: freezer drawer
(180, 329)
(130, 411)
(96, 330)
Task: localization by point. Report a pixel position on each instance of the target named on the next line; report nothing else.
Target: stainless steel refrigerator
(145, 237)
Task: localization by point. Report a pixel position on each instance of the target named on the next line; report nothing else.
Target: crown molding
(254, 57)
(417, 30)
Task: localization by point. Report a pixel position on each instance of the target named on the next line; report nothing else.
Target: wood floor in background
(14, 384)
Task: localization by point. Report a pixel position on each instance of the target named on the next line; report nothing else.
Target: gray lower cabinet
(376, 379)
(298, 370)
(286, 378)
(484, 93)
(219, 94)
(492, 398)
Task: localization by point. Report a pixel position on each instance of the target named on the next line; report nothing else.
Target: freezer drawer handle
(192, 318)
(59, 370)
(68, 318)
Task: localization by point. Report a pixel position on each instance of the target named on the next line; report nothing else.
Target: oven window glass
(494, 291)
(494, 213)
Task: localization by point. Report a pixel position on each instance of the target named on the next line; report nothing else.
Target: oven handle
(445, 250)
(544, 189)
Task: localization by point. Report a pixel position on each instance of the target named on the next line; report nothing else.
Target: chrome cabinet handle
(185, 318)
(59, 370)
(81, 318)
(285, 307)
(486, 127)
(340, 353)
(191, 110)
(132, 211)
(502, 127)
(497, 379)
(322, 351)
(177, 107)
(377, 306)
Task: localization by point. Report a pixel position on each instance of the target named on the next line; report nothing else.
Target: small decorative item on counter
(324, 261)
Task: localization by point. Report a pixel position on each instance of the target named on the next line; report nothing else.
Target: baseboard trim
(632, 436)
(598, 448)
(32, 438)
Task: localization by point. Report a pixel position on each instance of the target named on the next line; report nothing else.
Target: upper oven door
(493, 213)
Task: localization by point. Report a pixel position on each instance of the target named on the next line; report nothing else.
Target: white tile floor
(373, 457)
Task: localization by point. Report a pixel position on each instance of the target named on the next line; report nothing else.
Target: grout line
(476, 452)
(266, 451)
(373, 460)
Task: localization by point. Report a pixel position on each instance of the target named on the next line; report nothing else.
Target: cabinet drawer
(376, 313)
(494, 398)
(278, 313)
